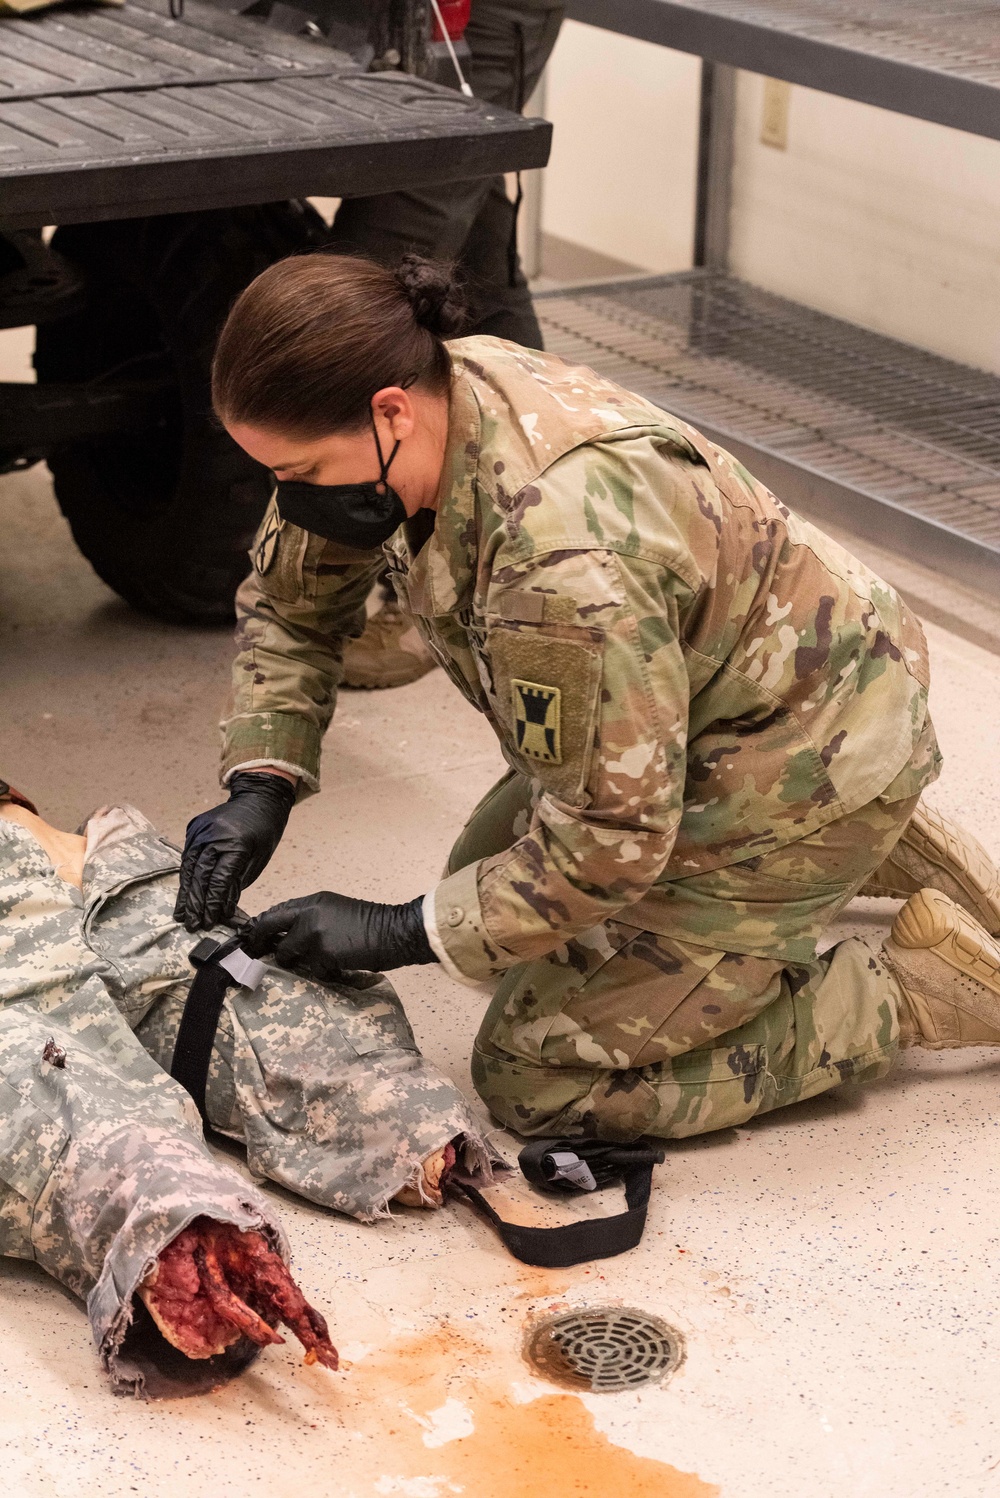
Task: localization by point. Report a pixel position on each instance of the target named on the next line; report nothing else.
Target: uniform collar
(442, 573)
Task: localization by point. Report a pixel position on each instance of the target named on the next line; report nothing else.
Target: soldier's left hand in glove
(230, 846)
(321, 935)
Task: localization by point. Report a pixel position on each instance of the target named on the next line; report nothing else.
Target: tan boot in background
(390, 653)
(937, 853)
(949, 970)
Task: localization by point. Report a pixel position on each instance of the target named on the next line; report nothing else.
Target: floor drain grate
(603, 1348)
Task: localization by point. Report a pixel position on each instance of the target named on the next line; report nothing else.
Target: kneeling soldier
(715, 720)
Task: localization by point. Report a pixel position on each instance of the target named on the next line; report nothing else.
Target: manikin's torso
(66, 850)
(96, 907)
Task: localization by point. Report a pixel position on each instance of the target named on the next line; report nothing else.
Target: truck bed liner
(111, 114)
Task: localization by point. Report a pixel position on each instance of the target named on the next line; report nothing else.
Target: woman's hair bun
(434, 294)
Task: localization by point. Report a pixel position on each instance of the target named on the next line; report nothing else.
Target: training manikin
(102, 1161)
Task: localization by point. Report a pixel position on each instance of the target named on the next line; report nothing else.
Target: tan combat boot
(390, 652)
(949, 970)
(937, 853)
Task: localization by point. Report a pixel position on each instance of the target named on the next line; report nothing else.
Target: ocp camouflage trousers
(623, 1032)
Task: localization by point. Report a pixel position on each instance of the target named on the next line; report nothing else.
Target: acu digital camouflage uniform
(102, 1161)
(716, 723)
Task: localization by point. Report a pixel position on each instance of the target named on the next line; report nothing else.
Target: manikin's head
(320, 347)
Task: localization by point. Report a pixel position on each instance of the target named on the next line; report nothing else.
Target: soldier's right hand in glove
(229, 847)
(325, 934)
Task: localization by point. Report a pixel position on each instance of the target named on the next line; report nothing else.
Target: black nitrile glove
(230, 846)
(321, 935)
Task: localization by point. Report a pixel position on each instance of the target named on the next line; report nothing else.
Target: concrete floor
(831, 1268)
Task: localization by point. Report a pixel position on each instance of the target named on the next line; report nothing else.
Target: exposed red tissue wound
(215, 1283)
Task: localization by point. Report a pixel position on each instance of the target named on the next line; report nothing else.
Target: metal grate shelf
(899, 445)
(934, 59)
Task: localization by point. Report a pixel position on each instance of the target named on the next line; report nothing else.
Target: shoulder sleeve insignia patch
(537, 721)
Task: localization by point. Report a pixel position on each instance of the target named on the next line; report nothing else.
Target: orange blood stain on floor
(543, 1448)
(539, 1284)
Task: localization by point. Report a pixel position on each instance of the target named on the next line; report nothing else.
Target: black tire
(165, 516)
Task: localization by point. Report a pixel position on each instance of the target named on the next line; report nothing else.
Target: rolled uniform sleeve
(591, 693)
(303, 598)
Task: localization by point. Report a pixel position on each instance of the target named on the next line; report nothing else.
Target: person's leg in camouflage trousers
(474, 225)
(624, 1032)
(471, 223)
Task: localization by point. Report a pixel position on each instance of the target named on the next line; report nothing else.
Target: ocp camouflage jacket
(691, 674)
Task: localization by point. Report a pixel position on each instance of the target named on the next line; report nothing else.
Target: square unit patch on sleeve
(536, 721)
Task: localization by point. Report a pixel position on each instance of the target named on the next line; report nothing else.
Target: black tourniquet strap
(200, 1020)
(576, 1165)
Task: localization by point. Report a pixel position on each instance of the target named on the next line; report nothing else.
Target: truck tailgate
(121, 113)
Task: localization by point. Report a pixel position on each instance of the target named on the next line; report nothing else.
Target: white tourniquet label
(248, 971)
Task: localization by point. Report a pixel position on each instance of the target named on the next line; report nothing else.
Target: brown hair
(311, 340)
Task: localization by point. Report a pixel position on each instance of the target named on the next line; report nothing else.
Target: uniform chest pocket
(546, 682)
(31, 1143)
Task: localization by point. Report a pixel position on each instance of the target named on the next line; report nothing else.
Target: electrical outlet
(774, 116)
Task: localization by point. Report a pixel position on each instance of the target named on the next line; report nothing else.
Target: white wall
(622, 175)
(17, 348)
(890, 222)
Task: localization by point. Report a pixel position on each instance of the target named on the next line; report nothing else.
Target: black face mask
(358, 515)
